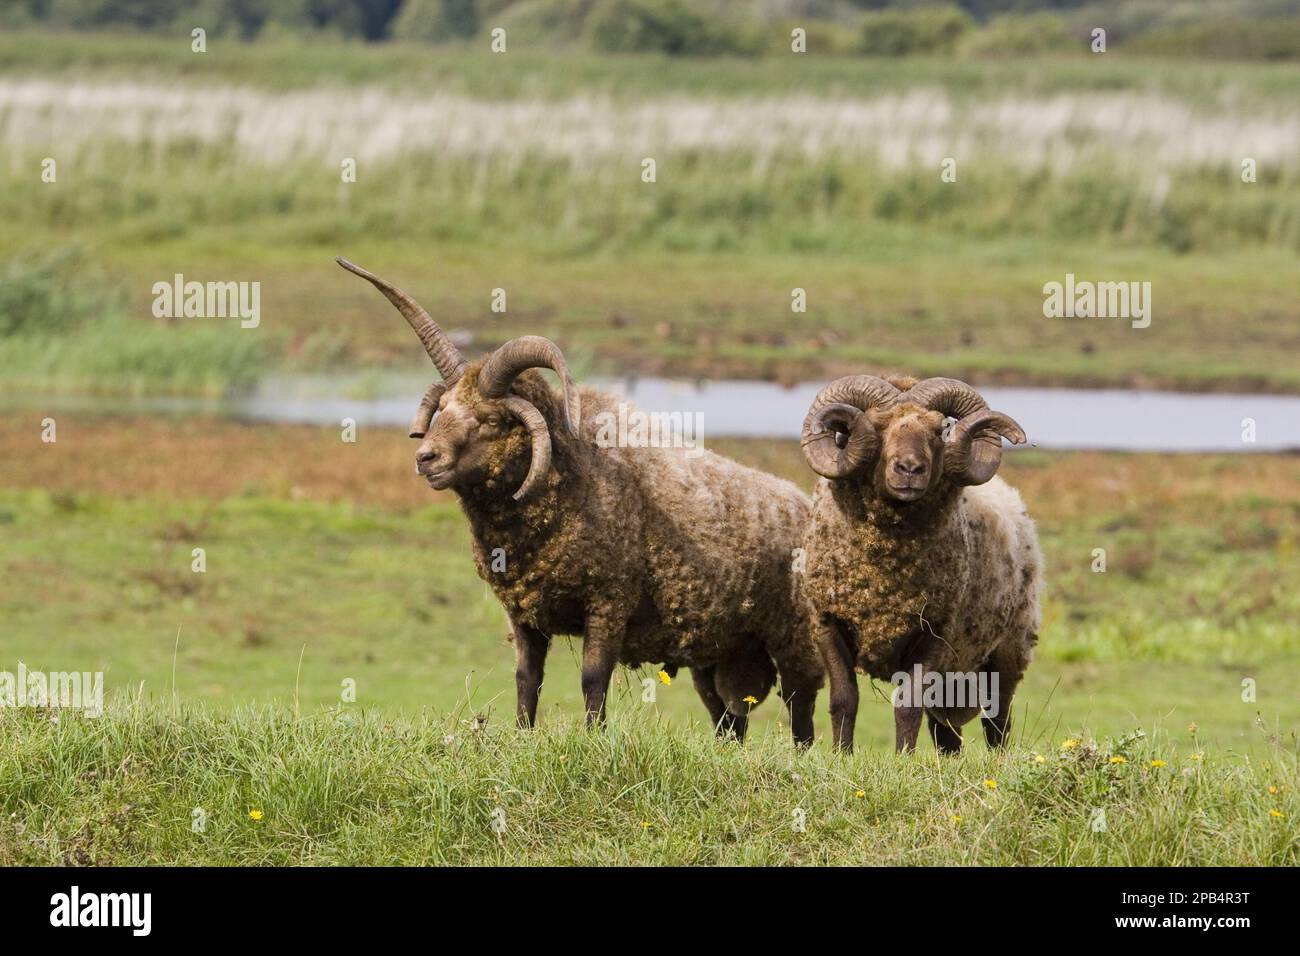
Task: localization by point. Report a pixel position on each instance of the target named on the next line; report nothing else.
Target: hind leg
(743, 680)
(800, 668)
(1003, 678)
(997, 728)
(723, 721)
(947, 739)
(800, 694)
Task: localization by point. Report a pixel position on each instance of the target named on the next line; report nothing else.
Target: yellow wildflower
(1119, 758)
(664, 678)
(1157, 763)
(254, 814)
(751, 699)
(1273, 790)
(1069, 744)
(991, 784)
(1276, 813)
(859, 793)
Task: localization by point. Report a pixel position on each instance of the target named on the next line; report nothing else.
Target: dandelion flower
(1194, 757)
(956, 818)
(254, 814)
(1069, 744)
(664, 678)
(1039, 758)
(1157, 764)
(859, 793)
(1119, 758)
(1273, 790)
(645, 824)
(991, 784)
(751, 699)
(1276, 813)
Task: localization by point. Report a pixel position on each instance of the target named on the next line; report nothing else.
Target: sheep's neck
(494, 515)
(898, 519)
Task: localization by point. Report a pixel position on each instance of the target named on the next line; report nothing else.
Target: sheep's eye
(492, 421)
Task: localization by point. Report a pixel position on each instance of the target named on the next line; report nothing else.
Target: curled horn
(527, 413)
(973, 450)
(428, 406)
(445, 355)
(955, 399)
(838, 439)
(518, 355)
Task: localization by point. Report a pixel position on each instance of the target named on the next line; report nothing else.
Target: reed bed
(898, 131)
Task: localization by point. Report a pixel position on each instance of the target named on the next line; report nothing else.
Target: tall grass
(63, 327)
(895, 130)
(153, 165)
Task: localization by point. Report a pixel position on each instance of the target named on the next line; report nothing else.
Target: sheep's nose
(909, 466)
(425, 455)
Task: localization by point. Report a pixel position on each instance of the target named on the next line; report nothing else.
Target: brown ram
(651, 554)
(921, 565)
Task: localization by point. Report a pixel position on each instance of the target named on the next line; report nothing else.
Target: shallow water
(1110, 419)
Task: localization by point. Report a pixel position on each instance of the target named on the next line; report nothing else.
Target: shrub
(48, 295)
(1230, 39)
(905, 32)
(667, 26)
(1013, 35)
(436, 20)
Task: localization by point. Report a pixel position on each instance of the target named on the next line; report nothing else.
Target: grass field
(328, 561)
(478, 173)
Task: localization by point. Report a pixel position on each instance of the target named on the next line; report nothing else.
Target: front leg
(837, 657)
(531, 646)
(909, 694)
(602, 642)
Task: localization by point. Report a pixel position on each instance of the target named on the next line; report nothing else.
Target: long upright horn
(838, 440)
(973, 450)
(445, 355)
(529, 351)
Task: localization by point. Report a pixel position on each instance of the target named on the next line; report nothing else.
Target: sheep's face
(910, 462)
(473, 440)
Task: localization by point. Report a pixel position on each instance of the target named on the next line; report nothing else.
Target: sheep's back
(714, 540)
